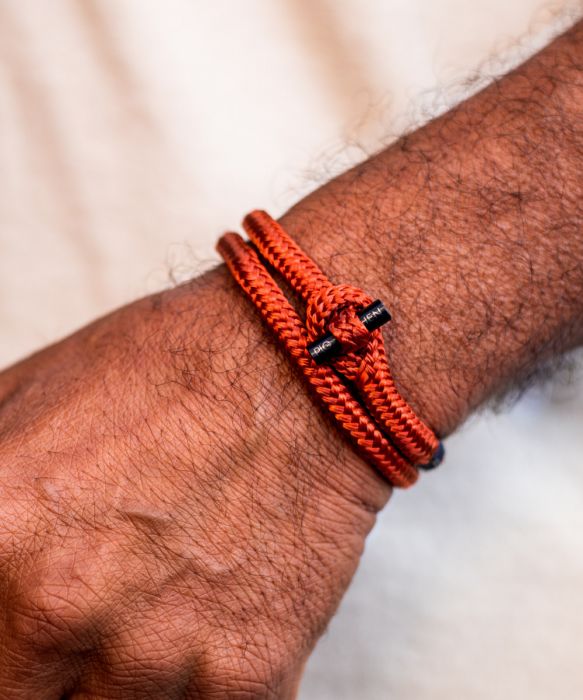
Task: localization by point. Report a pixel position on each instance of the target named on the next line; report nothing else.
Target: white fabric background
(132, 132)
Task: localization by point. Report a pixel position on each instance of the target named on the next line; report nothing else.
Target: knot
(334, 309)
(349, 330)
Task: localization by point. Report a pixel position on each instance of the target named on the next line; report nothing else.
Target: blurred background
(133, 132)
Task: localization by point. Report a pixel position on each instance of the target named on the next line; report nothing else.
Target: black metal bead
(373, 316)
(436, 460)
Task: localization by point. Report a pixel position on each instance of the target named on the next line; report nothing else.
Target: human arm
(178, 518)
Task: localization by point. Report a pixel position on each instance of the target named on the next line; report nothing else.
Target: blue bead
(436, 460)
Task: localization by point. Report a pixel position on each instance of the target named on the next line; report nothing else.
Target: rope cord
(356, 386)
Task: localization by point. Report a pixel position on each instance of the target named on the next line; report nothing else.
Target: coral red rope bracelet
(340, 349)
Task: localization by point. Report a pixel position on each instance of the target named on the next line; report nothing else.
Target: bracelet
(340, 349)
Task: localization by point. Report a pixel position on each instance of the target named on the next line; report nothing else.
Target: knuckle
(149, 669)
(246, 671)
(47, 615)
(143, 658)
(194, 663)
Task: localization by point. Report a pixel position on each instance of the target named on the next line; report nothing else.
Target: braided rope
(356, 387)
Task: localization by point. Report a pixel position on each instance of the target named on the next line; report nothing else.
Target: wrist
(259, 405)
(380, 256)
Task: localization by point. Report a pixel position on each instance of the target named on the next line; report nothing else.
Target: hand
(178, 521)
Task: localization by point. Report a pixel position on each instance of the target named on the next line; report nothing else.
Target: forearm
(470, 230)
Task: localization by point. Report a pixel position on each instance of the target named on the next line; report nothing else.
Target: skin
(177, 517)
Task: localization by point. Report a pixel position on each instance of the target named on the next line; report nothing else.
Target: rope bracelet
(340, 349)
